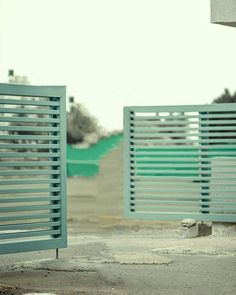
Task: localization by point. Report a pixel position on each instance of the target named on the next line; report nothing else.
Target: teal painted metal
(180, 162)
(33, 206)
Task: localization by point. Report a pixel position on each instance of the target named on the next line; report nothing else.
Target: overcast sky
(114, 53)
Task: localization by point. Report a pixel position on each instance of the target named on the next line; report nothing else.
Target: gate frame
(58, 92)
(127, 110)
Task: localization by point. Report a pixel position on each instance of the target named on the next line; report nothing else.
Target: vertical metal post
(63, 210)
(57, 253)
(54, 159)
(128, 182)
(204, 160)
(202, 228)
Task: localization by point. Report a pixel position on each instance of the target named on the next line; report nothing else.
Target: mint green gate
(32, 168)
(180, 162)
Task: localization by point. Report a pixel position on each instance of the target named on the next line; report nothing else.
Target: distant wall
(86, 161)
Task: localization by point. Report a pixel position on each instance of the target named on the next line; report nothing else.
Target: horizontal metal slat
(199, 117)
(171, 208)
(224, 182)
(227, 188)
(28, 146)
(48, 92)
(189, 147)
(29, 155)
(223, 203)
(183, 171)
(29, 163)
(30, 102)
(175, 121)
(223, 210)
(175, 172)
(29, 120)
(162, 134)
(166, 129)
(219, 121)
(183, 188)
(158, 117)
(29, 234)
(30, 199)
(28, 181)
(29, 128)
(216, 128)
(180, 153)
(179, 202)
(201, 109)
(30, 208)
(197, 202)
(221, 194)
(29, 111)
(160, 183)
(169, 196)
(24, 226)
(163, 141)
(29, 172)
(29, 137)
(166, 190)
(165, 123)
(150, 129)
(194, 165)
(176, 142)
(155, 160)
(30, 216)
(30, 190)
(154, 147)
(221, 115)
(171, 178)
(181, 197)
(208, 118)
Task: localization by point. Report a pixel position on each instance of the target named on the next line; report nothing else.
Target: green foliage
(85, 161)
(226, 97)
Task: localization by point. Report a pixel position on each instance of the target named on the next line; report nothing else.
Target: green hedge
(85, 161)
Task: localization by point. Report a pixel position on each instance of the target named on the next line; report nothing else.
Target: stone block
(189, 232)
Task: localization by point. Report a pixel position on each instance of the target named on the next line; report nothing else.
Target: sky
(115, 53)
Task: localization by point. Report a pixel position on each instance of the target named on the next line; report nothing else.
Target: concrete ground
(108, 254)
(125, 263)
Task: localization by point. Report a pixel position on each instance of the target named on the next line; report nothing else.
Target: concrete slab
(64, 265)
(145, 258)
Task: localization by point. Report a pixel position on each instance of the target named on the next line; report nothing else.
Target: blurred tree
(79, 123)
(81, 126)
(226, 97)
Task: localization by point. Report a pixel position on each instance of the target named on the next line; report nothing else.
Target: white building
(223, 12)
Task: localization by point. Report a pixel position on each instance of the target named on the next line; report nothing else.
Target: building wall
(223, 12)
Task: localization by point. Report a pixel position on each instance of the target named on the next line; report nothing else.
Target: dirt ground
(108, 254)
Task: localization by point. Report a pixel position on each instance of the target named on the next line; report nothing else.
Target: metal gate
(32, 168)
(180, 162)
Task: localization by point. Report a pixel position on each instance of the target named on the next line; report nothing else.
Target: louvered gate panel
(32, 168)
(180, 162)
